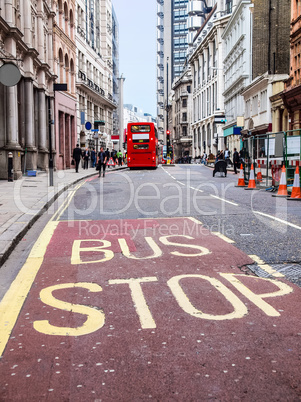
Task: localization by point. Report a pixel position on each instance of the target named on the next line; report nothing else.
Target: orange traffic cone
(241, 180)
(282, 189)
(296, 192)
(259, 175)
(252, 184)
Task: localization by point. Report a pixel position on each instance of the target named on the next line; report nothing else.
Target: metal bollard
(10, 171)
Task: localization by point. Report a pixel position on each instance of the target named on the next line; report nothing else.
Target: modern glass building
(171, 50)
(177, 23)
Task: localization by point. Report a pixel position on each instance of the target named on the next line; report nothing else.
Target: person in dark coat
(86, 157)
(102, 162)
(236, 160)
(93, 157)
(77, 154)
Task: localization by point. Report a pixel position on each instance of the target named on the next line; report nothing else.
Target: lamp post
(121, 80)
(167, 117)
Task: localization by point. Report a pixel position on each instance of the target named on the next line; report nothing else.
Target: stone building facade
(94, 79)
(65, 63)
(182, 110)
(237, 65)
(26, 40)
(270, 67)
(206, 61)
(64, 48)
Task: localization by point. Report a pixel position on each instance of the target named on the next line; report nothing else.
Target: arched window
(72, 77)
(60, 69)
(66, 71)
(66, 19)
(59, 15)
(71, 24)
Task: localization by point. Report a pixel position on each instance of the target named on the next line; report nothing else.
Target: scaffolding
(271, 151)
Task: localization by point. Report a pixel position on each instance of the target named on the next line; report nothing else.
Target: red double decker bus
(142, 145)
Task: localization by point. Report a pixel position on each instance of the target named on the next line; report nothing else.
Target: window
(184, 102)
(229, 6)
(208, 62)
(255, 105)
(184, 117)
(264, 99)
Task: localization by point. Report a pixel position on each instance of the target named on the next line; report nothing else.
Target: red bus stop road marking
(139, 309)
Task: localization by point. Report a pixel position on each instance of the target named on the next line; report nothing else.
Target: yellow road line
(194, 220)
(223, 237)
(12, 302)
(265, 267)
(15, 297)
(66, 203)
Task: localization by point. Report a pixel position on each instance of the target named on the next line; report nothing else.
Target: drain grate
(292, 272)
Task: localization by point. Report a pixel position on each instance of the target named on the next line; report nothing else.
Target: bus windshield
(140, 128)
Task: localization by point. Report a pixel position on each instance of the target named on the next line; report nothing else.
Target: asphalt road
(246, 217)
(141, 286)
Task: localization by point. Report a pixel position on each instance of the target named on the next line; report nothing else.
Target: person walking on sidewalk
(77, 153)
(86, 157)
(93, 158)
(235, 160)
(119, 156)
(107, 152)
(102, 162)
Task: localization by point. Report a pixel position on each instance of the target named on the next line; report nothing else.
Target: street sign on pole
(88, 126)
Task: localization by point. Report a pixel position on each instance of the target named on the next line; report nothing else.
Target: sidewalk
(23, 201)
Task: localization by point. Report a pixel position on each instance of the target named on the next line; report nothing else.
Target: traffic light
(224, 120)
(216, 140)
(167, 138)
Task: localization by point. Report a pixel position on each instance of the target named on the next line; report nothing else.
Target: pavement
(23, 201)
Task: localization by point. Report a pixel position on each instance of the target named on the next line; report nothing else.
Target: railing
(81, 75)
(271, 151)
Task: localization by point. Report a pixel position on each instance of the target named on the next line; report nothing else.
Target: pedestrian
(235, 160)
(119, 156)
(107, 152)
(242, 155)
(93, 157)
(76, 155)
(227, 156)
(114, 155)
(102, 162)
(86, 157)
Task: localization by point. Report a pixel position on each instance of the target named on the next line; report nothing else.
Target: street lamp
(167, 94)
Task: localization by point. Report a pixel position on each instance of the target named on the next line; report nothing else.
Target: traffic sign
(88, 125)
(111, 162)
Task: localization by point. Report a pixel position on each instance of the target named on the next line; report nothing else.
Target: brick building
(270, 66)
(270, 44)
(292, 93)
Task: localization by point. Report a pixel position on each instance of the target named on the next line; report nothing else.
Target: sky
(137, 51)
